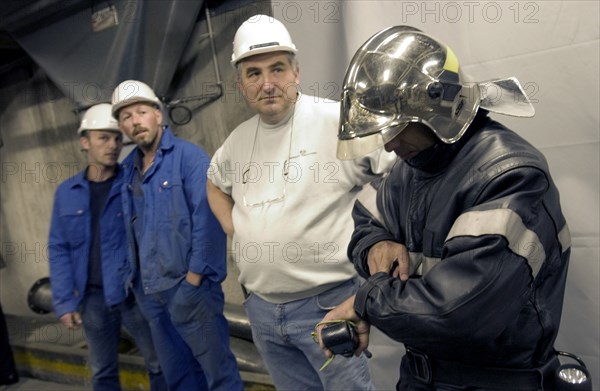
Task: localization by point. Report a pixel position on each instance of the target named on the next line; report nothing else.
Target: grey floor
(29, 384)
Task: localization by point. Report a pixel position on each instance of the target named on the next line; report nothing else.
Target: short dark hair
(292, 59)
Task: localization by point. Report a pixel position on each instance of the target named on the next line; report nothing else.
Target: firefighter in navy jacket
(469, 211)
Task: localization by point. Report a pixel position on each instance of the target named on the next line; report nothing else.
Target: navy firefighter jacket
(489, 250)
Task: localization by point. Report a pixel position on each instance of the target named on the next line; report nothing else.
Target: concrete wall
(38, 126)
(40, 151)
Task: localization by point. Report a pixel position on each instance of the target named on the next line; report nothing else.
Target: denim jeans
(282, 335)
(191, 336)
(102, 327)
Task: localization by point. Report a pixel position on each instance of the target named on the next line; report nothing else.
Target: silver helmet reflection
(402, 75)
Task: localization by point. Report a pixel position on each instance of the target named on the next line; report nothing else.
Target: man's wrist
(193, 278)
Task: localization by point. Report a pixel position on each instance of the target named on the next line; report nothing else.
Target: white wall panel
(553, 48)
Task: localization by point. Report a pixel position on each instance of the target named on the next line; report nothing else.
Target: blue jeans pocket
(329, 299)
(185, 302)
(247, 298)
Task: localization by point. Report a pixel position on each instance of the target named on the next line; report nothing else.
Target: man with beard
(178, 249)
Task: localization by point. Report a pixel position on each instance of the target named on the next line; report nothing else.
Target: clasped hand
(389, 257)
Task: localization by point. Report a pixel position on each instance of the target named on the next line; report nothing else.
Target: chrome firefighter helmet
(402, 75)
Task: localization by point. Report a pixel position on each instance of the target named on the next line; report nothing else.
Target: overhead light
(104, 18)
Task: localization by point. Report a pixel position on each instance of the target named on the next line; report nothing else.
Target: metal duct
(39, 299)
(86, 65)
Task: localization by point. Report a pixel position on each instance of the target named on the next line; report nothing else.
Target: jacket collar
(166, 141)
(438, 157)
(80, 178)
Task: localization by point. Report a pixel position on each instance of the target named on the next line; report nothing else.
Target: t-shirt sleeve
(220, 171)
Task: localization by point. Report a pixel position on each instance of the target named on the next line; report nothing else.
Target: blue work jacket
(70, 240)
(179, 231)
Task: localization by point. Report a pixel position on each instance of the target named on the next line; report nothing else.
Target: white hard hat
(261, 34)
(130, 92)
(98, 117)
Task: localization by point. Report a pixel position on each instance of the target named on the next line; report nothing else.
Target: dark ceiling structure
(87, 47)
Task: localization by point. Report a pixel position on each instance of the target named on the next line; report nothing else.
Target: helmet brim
(353, 148)
(262, 50)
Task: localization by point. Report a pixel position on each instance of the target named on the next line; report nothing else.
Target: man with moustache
(285, 199)
(88, 255)
(177, 248)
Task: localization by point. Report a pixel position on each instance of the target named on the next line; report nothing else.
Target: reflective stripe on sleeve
(521, 240)
(367, 197)
(421, 265)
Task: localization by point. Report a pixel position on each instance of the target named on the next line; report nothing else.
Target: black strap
(430, 370)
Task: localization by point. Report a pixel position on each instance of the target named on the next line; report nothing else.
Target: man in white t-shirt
(284, 198)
